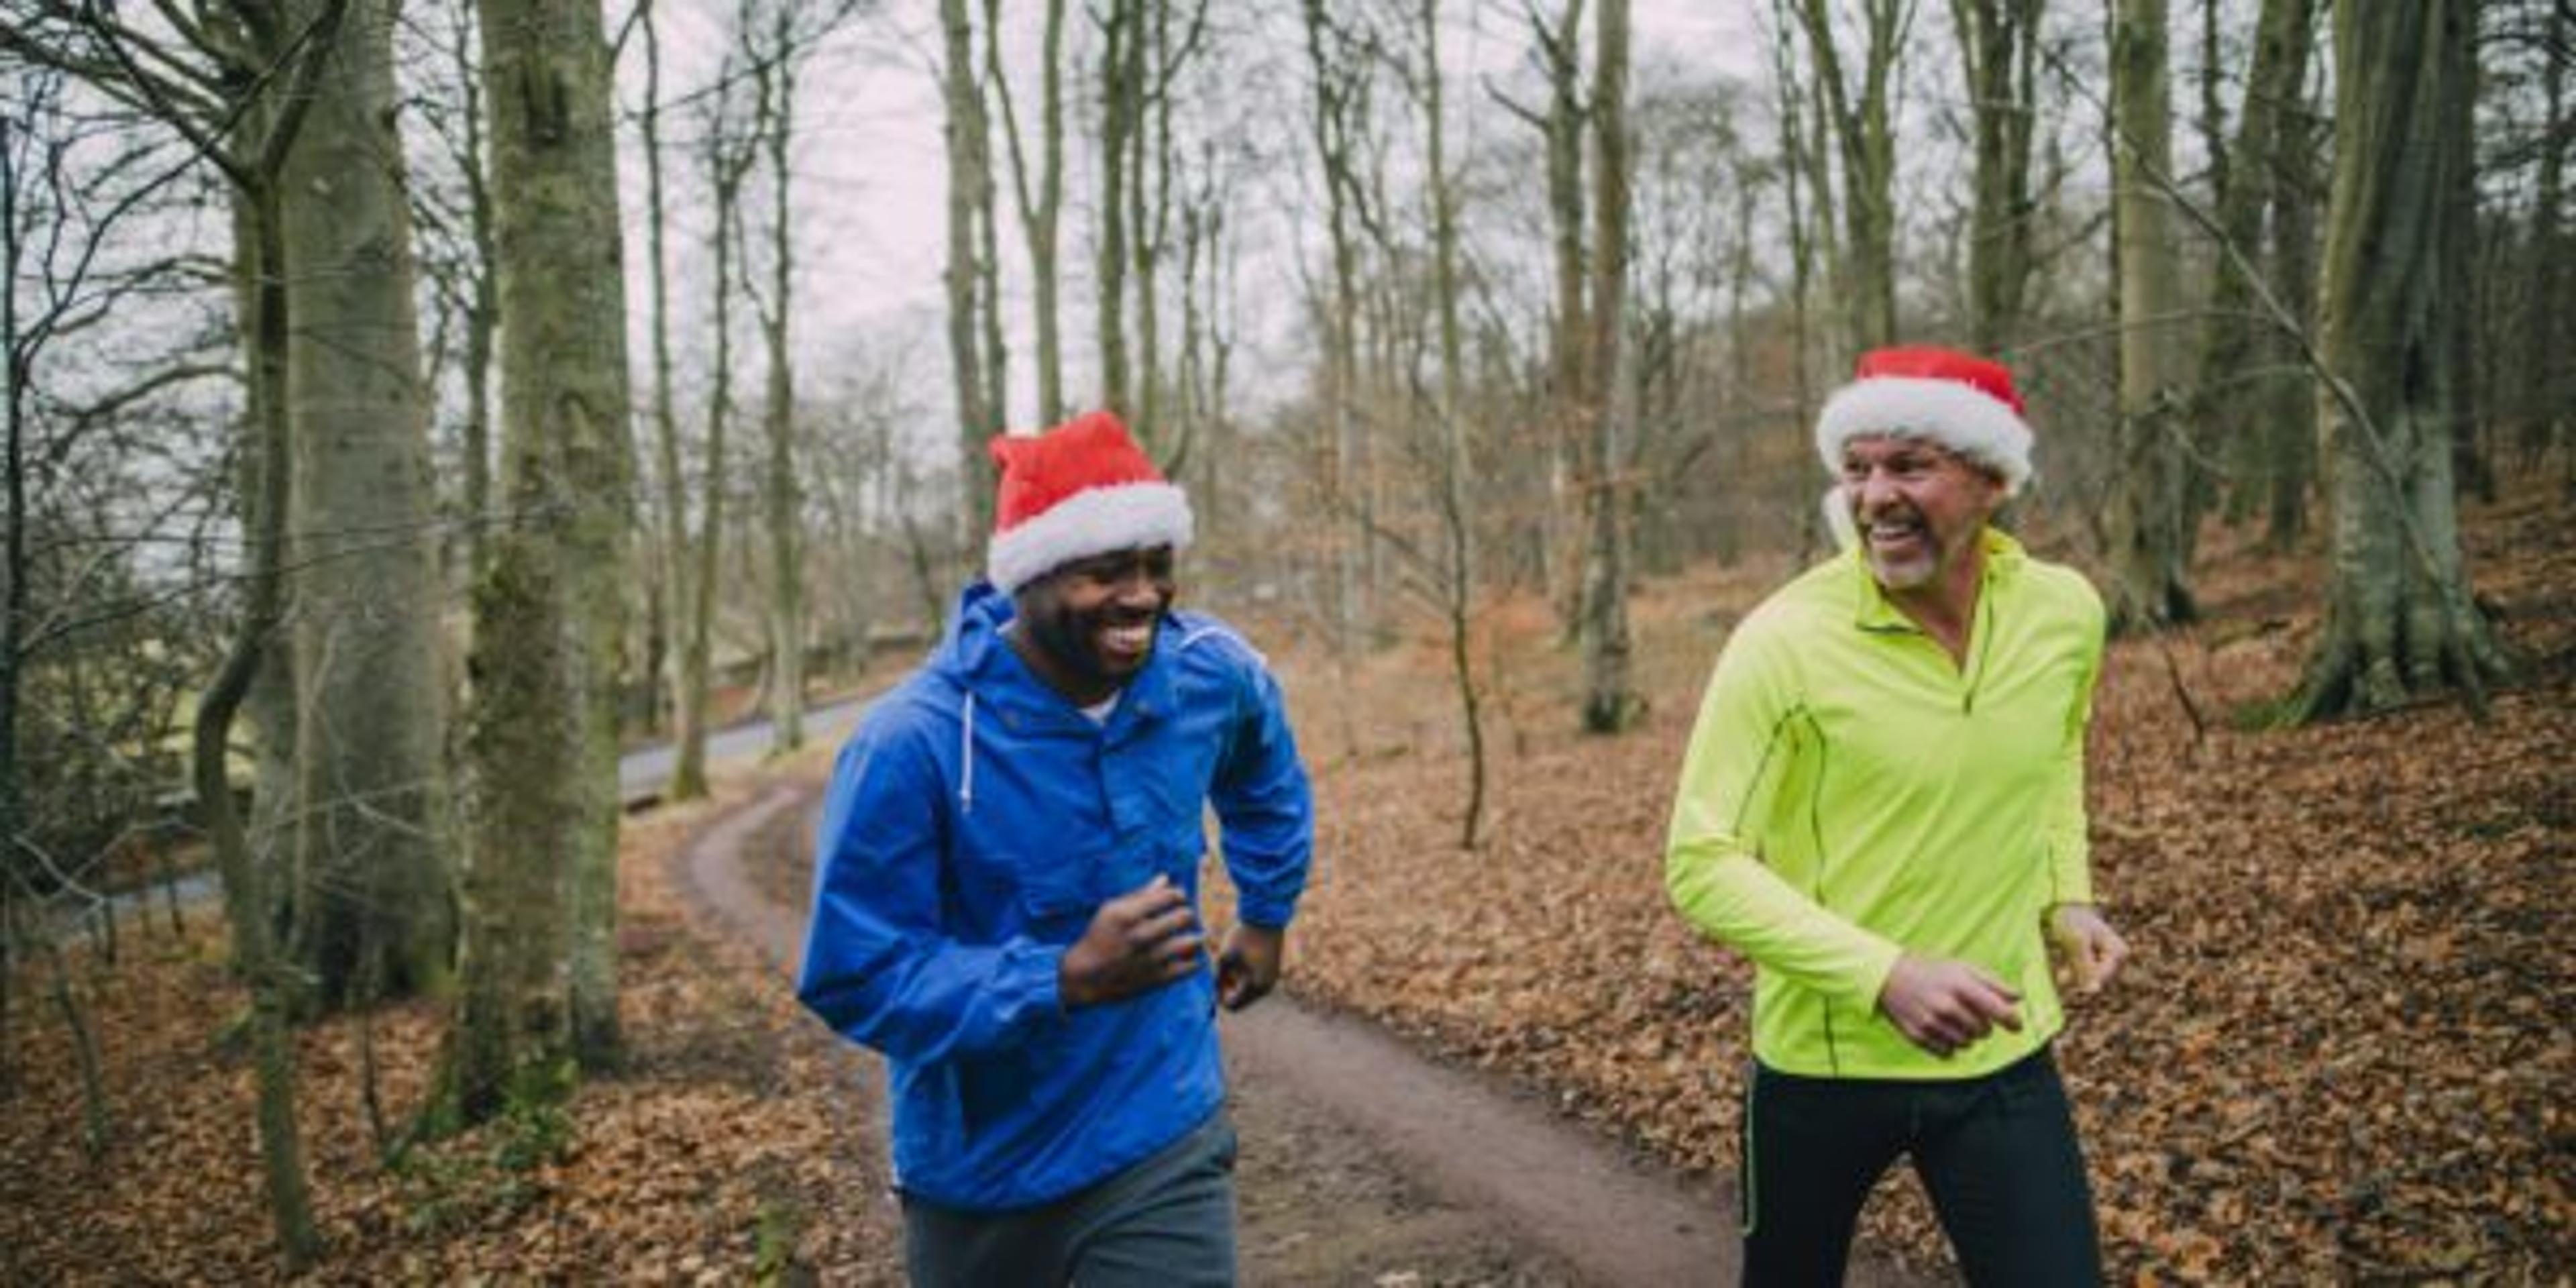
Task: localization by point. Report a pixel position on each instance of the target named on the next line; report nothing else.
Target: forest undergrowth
(724, 1153)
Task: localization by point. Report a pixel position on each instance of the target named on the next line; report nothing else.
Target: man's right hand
(1943, 1006)
(1138, 941)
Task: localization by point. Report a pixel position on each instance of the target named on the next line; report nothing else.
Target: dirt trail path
(1364, 1163)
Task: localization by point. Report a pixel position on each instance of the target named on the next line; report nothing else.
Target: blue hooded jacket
(976, 820)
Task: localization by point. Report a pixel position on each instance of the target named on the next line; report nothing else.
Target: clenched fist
(1942, 1005)
(1247, 968)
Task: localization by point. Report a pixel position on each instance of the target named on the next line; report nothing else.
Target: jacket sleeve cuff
(1869, 978)
(1032, 978)
(1266, 914)
(2072, 883)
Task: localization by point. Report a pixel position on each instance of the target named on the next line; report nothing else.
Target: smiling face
(1088, 626)
(1918, 507)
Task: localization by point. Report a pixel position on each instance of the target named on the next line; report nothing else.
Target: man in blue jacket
(1006, 890)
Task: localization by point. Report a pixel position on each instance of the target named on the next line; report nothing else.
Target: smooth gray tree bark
(537, 987)
(373, 908)
(2149, 587)
(1610, 700)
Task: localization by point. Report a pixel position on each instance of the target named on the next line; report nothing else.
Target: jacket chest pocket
(1168, 851)
(1057, 899)
(1154, 784)
(1045, 896)
(1056, 907)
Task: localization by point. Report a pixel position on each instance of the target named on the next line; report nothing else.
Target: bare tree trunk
(1999, 42)
(1742, 274)
(262, 130)
(2458, 268)
(2399, 620)
(969, 195)
(1865, 138)
(1458, 573)
(1160, 56)
(246, 899)
(1610, 703)
(537, 986)
(17, 360)
(269, 702)
(977, 474)
(1202, 226)
(1218, 322)
(483, 305)
(2149, 588)
(1122, 66)
(372, 894)
(2545, 392)
(1801, 169)
(1570, 335)
(2226, 411)
(728, 161)
(784, 497)
(1149, 185)
(1339, 99)
(2290, 459)
(672, 609)
(94, 1128)
(1039, 212)
(8, 966)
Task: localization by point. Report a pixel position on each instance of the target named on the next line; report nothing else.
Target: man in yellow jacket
(1882, 805)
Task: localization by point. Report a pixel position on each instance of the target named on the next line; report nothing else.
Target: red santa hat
(1080, 489)
(1960, 401)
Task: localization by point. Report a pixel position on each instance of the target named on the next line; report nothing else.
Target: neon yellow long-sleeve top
(1851, 794)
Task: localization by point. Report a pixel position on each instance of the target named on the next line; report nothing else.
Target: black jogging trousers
(1997, 1154)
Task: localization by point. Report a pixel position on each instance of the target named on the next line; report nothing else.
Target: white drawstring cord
(966, 758)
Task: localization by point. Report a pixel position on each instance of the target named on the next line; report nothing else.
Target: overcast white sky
(872, 175)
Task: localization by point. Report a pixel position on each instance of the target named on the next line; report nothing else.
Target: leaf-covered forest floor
(723, 1153)
(2340, 1054)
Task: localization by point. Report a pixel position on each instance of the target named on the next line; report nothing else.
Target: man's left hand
(2093, 950)
(1247, 968)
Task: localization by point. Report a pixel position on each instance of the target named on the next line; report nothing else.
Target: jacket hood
(973, 638)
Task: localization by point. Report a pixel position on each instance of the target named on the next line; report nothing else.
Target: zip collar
(1873, 611)
(1876, 614)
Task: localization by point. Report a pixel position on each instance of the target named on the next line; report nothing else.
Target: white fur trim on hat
(1091, 522)
(1839, 523)
(1958, 416)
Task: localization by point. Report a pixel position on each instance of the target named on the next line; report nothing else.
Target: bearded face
(1918, 507)
(1088, 626)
